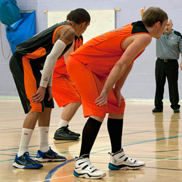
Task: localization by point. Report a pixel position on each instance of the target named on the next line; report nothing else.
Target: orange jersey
(101, 53)
(60, 67)
(64, 91)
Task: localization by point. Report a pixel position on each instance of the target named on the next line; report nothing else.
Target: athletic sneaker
(25, 162)
(84, 169)
(49, 156)
(64, 133)
(119, 160)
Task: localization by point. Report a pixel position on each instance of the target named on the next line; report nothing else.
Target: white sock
(63, 123)
(43, 142)
(24, 142)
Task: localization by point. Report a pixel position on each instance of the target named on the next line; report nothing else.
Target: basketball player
(66, 95)
(42, 52)
(99, 69)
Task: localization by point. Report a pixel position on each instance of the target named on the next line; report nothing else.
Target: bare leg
(115, 116)
(97, 118)
(70, 110)
(63, 133)
(30, 120)
(44, 119)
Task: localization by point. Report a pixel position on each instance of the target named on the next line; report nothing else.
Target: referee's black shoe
(64, 133)
(176, 111)
(157, 110)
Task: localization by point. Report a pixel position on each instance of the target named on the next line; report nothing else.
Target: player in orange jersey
(99, 69)
(66, 95)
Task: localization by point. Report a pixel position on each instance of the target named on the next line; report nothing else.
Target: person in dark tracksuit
(35, 90)
(168, 49)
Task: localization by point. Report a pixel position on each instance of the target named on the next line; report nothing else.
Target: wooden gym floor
(155, 139)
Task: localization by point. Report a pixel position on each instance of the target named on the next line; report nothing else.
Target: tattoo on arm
(68, 36)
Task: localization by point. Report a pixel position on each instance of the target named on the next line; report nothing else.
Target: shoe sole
(15, 165)
(49, 160)
(124, 167)
(85, 175)
(156, 111)
(63, 138)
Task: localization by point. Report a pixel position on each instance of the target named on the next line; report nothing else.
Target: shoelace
(27, 157)
(53, 152)
(56, 154)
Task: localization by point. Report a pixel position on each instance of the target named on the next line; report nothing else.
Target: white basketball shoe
(84, 169)
(119, 161)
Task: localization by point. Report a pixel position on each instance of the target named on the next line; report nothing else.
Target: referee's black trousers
(167, 69)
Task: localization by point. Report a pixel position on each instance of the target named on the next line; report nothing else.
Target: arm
(70, 50)
(119, 84)
(64, 37)
(180, 50)
(139, 43)
(181, 62)
(76, 44)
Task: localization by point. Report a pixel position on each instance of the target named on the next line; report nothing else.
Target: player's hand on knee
(101, 100)
(119, 96)
(39, 95)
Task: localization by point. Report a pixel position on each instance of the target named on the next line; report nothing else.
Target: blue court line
(51, 173)
(157, 139)
(16, 148)
(127, 144)
(140, 142)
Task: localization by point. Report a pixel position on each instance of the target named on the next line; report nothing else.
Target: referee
(168, 48)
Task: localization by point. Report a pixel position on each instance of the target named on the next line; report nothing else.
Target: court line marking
(108, 147)
(51, 173)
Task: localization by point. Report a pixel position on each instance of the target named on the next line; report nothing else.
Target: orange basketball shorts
(27, 78)
(64, 91)
(89, 86)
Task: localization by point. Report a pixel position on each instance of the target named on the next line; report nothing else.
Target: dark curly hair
(79, 16)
